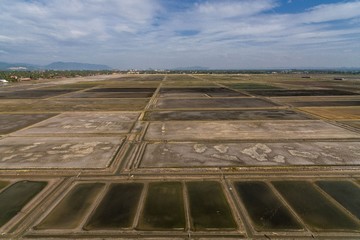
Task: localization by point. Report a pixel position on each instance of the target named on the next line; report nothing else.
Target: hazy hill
(17, 66)
(75, 66)
(53, 66)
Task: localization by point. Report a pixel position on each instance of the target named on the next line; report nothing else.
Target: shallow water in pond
(164, 207)
(15, 197)
(344, 192)
(69, 212)
(316, 211)
(213, 103)
(251, 86)
(118, 208)
(208, 206)
(265, 210)
(224, 115)
(286, 93)
(3, 184)
(135, 90)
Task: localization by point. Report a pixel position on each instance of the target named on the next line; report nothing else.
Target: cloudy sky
(220, 34)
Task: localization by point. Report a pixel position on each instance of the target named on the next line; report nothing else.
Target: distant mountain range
(4, 66)
(53, 66)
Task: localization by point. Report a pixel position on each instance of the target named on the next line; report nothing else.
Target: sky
(165, 34)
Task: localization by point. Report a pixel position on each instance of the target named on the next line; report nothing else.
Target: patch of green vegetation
(14, 76)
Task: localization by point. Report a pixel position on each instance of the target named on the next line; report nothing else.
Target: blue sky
(219, 34)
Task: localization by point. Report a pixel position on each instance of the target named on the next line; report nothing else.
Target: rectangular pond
(70, 211)
(199, 92)
(325, 103)
(314, 208)
(345, 192)
(13, 122)
(245, 130)
(85, 122)
(286, 93)
(206, 103)
(354, 124)
(36, 94)
(270, 114)
(15, 197)
(251, 86)
(118, 207)
(109, 95)
(124, 90)
(68, 105)
(58, 152)
(205, 154)
(164, 207)
(3, 184)
(265, 209)
(336, 113)
(209, 208)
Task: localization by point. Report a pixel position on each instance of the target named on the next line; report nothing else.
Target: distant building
(17, 68)
(133, 71)
(24, 79)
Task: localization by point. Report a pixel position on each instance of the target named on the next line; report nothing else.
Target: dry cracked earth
(181, 157)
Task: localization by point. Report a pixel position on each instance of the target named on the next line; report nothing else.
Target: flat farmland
(181, 156)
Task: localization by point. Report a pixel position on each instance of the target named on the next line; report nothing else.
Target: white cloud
(229, 33)
(5, 38)
(71, 19)
(332, 12)
(228, 9)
